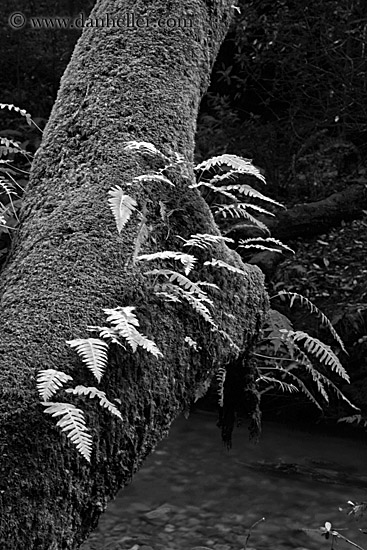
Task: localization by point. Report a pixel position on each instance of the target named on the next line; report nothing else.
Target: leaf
(219, 263)
(153, 177)
(94, 392)
(122, 206)
(206, 240)
(188, 260)
(49, 381)
(93, 352)
(239, 164)
(125, 321)
(144, 147)
(73, 425)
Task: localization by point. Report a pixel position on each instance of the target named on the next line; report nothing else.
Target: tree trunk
(69, 262)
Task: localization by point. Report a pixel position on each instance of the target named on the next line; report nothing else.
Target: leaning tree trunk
(69, 262)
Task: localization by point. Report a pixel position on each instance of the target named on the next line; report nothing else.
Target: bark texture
(68, 263)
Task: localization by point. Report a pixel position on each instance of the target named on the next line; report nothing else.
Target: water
(193, 493)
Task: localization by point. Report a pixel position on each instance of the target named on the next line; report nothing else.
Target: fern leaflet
(219, 263)
(314, 309)
(248, 243)
(145, 147)
(323, 352)
(153, 177)
(72, 423)
(239, 164)
(188, 260)
(125, 321)
(49, 381)
(93, 392)
(205, 240)
(122, 206)
(93, 352)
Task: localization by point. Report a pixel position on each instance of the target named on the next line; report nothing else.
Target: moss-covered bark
(69, 262)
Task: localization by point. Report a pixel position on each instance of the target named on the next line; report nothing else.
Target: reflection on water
(192, 492)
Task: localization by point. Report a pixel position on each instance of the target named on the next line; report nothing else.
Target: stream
(193, 494)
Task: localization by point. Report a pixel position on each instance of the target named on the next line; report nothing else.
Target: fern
(205, 241)
(107, 333)
(122, 206)
(175, 293)
(124, 321)
(49, 381)
(153, 177)
(221, 378)
(317, 348)
(238, 164)
(93, 353)
(188, 260)
(284, 386)
(259, 242)
(219, 263)
(93, 392)
(182, 281)
(249, 191)
(22, 112)
(72, 423)
(192, 343)
(240, 211)
(145, 147)
(314, 309)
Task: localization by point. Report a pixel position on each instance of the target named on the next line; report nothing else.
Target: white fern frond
(215, 189)
(153, 177)
(22, 112)
(320, 350)
(49, 381)
(94, 392)
(72, 423)
(221, 378)
(314, 309)
(144, 147)
(205, 240)
(239, 164)
(249, 191)
(107, 333)
(195, 301)
(182, 281)
(284, 386)
(187, 260)
(125, 322)
(168, 297)
(220, 263)
(122, 206)
(237, 211)
(93, 352)
(246, 243)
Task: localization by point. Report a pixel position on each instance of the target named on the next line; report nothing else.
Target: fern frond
(49, 381)
(320, 350)
(284, 386)
(94, 392)
(125, 322)
(22, 112)
(314, 309)
(72, 423)
(182, 281)
(177, 293)
(221, 378)
(238, 211)
(145, 147)
(249, 191)
(93, 353)
(187, 260)
(215, 189)
(248, 243)
(153, 177)
(169, 297)
(219, 263)
(205, 240)
(122, 206)
(239, 164)
(107, 333)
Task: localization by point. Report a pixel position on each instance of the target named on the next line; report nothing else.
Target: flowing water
(192, 493)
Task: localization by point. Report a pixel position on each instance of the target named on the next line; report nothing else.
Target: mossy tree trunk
(69, 262)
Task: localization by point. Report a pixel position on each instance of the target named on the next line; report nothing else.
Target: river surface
(192, 493)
